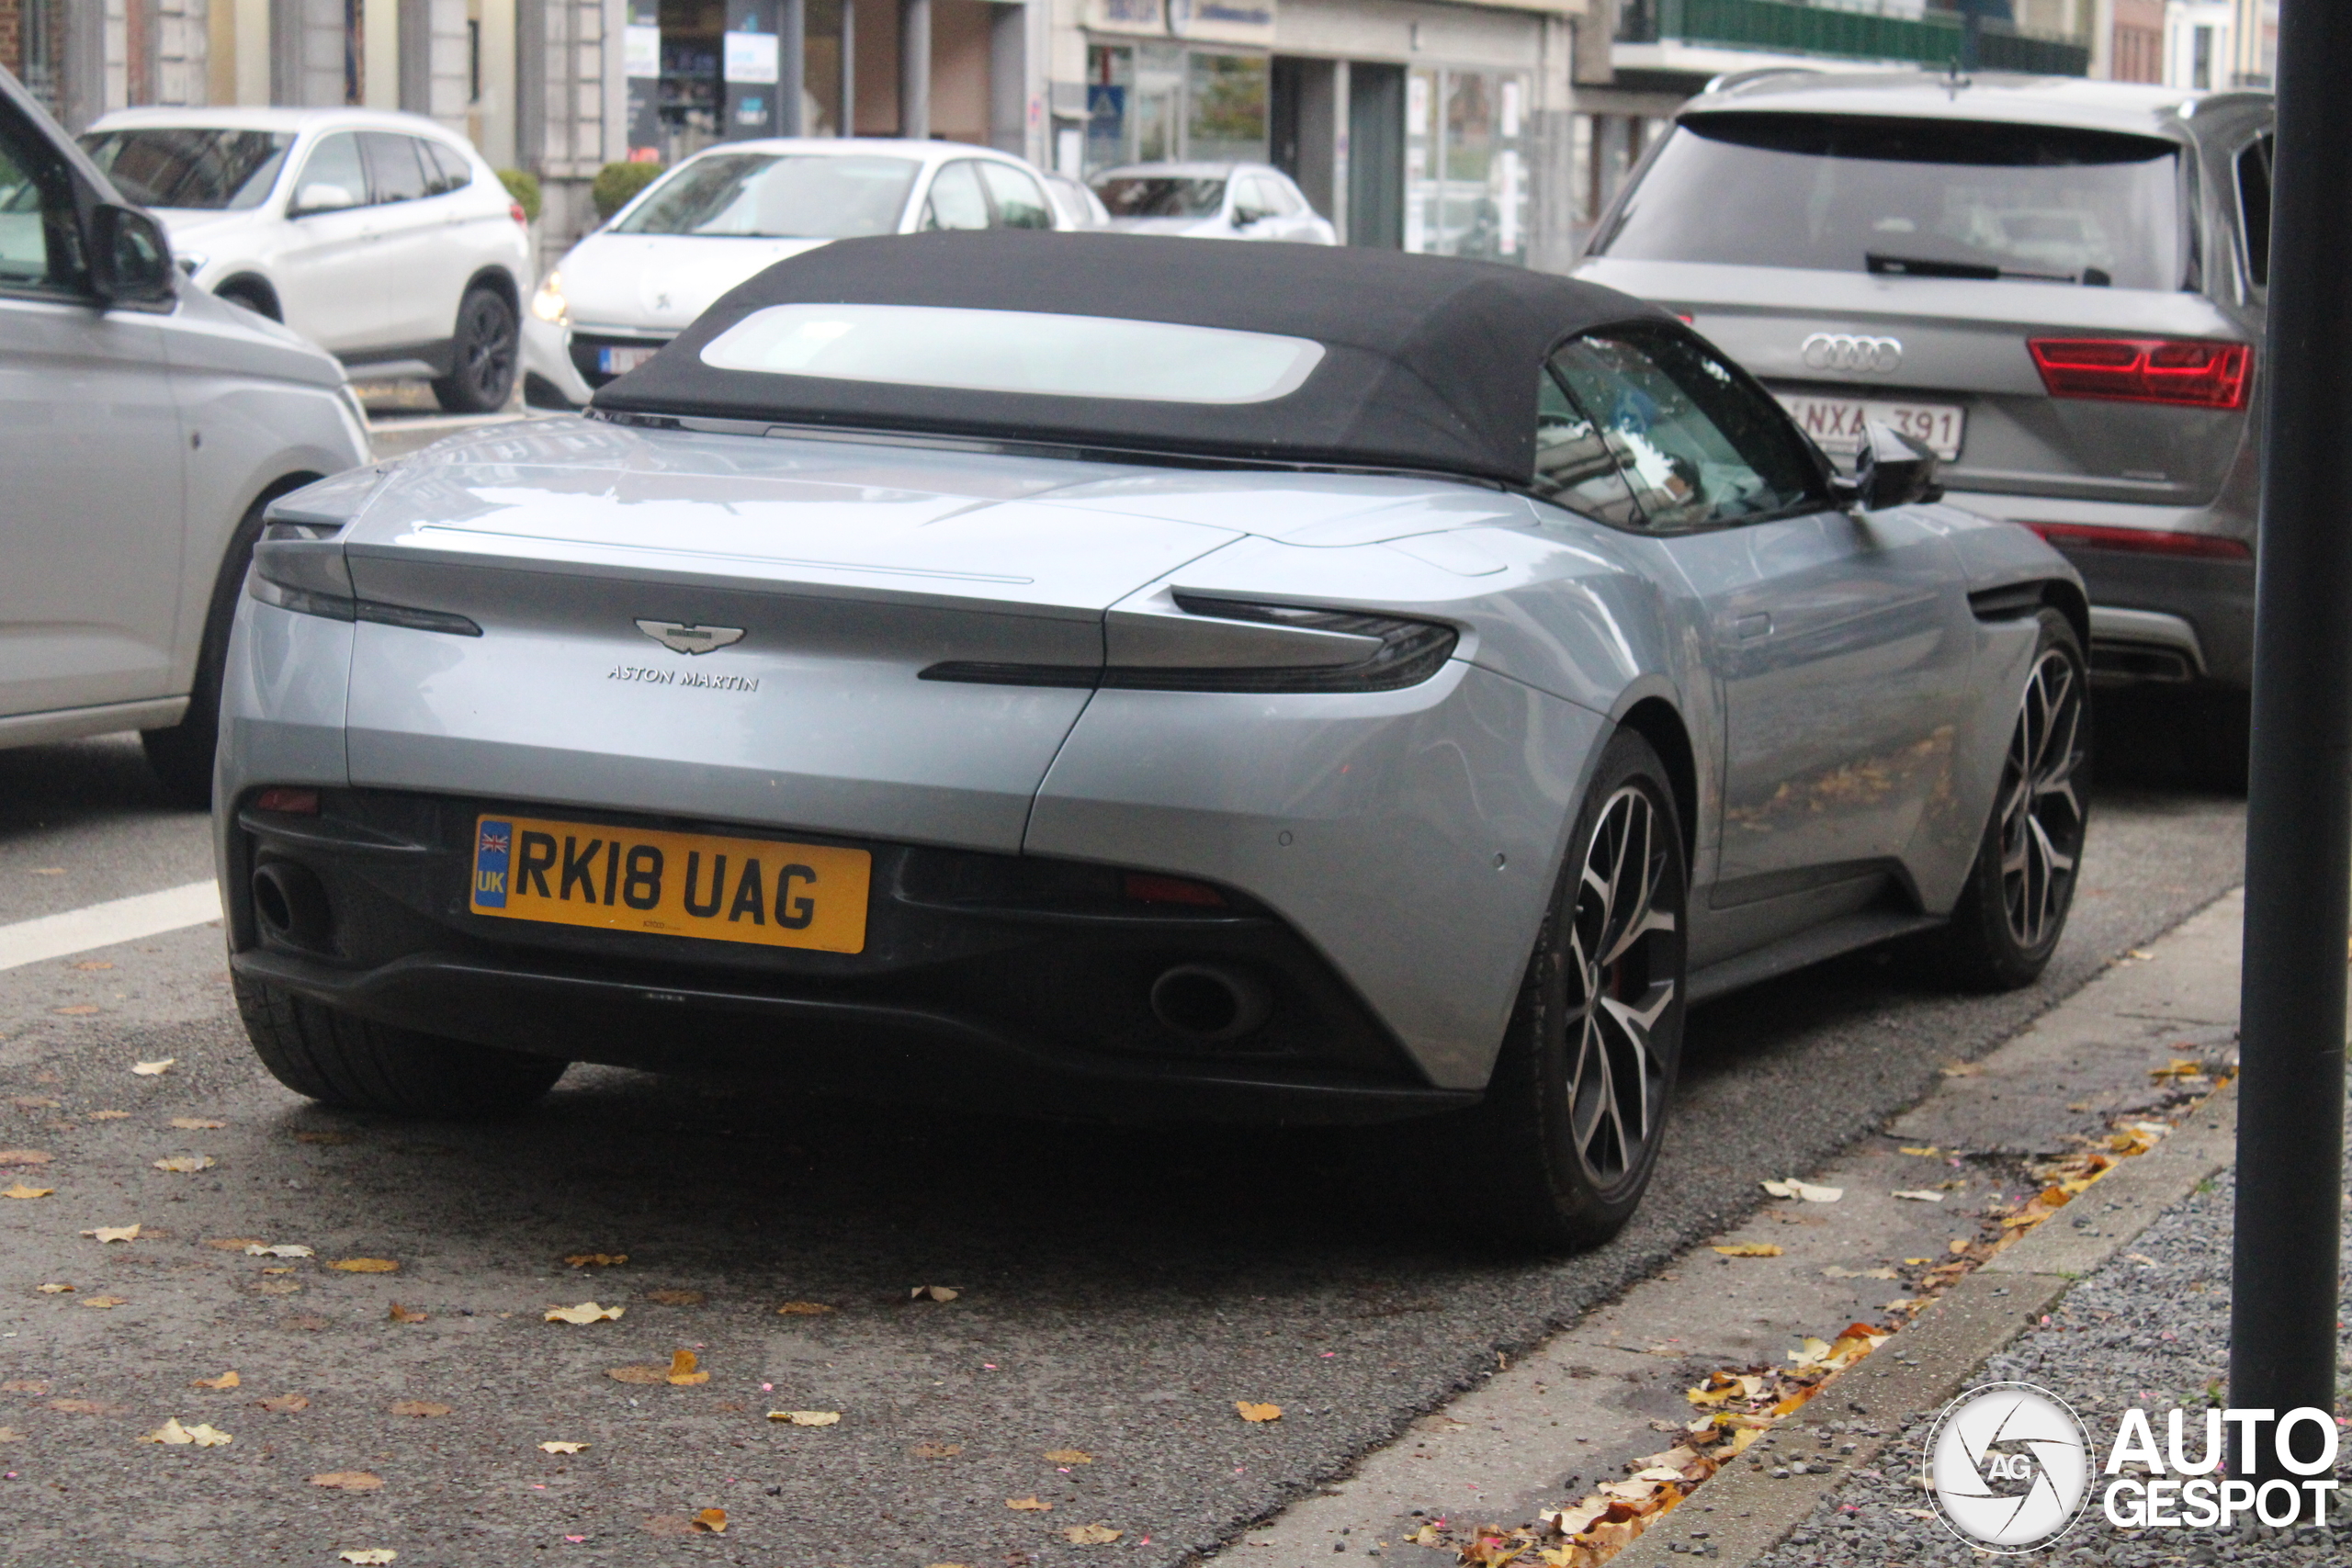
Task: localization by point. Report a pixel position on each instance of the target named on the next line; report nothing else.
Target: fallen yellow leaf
(934, 1293)
(1258, 1412)
(18, 1189)
(1792, 1187)
(196, 1123)
(200, 1435)
(26, 1157)
(1029, 1504)
(806, 1417)
(419, 1407)
(712, 1520)
(365, 1265)
(802, 1309)
(348, 1480)
(596, 1260)
(53, 1289)
(639, 1373)
(79, 1010)
(1964, 1070)
(1749, 1249)
(226, 1379)
(1916, 1262)
(114, 1232)
(937, 1450)
(1091, 1535)
(682, 1369)
(586, 1312)
(405, 1314)
(185, 1163)
(370, 1556)
(152, 1069)
(1929, 1152)
(284, 1404)
(1069, 1456)
(103, 1303)
(563, 1447)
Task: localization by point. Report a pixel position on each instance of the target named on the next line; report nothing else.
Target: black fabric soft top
(1429, 363)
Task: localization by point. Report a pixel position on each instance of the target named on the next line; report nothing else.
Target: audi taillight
(2145, 541)
(2145, 369)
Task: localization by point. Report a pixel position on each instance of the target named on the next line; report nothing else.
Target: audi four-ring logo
(1844, 351)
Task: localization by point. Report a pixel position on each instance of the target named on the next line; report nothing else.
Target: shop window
(1226, 114)
(1465, 174)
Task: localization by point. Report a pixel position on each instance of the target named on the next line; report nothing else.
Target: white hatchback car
(382, 238)
(147, 426)
(1211, 201)
(736, 209)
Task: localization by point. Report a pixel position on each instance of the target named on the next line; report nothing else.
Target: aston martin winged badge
(681, 638)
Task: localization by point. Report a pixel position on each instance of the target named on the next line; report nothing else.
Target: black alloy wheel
(1561, 1150)
(482, 355)
(2014, 907)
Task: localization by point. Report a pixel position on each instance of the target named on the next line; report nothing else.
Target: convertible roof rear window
(1016, 351)
(1307, 354)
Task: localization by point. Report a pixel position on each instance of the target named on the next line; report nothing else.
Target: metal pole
(849, 68)
(2299, 807)
(914, 68)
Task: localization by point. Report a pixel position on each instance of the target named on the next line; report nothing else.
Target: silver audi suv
(2056, 284)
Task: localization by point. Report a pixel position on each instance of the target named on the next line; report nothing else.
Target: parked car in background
(383, 238)
(738, 208)
(144, 426)
(1079, 205)
(2056, 284)
(1211, 201)
(1125, 676)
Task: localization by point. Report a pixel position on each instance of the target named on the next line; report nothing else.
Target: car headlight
(548, 304)
(191, 261)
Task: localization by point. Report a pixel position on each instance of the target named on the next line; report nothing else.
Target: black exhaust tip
(292, 904)
(1210, 1002)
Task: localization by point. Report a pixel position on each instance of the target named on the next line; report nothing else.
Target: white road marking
(103, 925)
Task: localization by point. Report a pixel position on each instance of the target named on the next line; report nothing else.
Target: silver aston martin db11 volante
(1132, 677)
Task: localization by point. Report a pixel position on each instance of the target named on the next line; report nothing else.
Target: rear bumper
(984, 979)
(2211, 600)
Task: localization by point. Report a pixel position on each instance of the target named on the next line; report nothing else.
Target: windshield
(1951, 198)
(771, 196)
(1161, 196)
(1016, 351)
(207, 168)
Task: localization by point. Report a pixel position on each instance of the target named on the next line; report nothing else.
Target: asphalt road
(1119, 1290)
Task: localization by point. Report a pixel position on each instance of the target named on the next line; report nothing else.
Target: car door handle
(1748, 629)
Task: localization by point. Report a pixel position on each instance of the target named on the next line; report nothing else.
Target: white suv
(382, 238)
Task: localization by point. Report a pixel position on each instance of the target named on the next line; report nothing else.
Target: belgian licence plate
(697, 885)
(1835, 423)
(621, 361)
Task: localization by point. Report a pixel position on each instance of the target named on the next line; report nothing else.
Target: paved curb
(1743, 1512)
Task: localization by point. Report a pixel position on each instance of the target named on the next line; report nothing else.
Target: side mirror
(130, 259)
(321, 197)
(1892, 469)
(1245, 215)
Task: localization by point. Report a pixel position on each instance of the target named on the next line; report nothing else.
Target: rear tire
(182, 755)
(1558, 1155)
(341, 1059)
(2013, 909)
(483, 351)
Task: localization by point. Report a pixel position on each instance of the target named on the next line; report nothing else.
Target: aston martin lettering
(682, 636)
(645, 675)
(692, 885)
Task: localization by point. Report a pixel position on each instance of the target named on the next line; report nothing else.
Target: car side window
(1574, 465)
(332, 171)
(393, 174)
(1019, 203)
(956, 200)
(40, 240)
(1276, 196)
(1697, 442)
(2254, 208)
(445, 168)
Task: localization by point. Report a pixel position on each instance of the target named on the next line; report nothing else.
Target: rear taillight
(514, 210)
(2146, 541)
(2144, 369)
(293, 802)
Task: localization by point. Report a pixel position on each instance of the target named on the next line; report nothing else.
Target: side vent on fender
(2011, 602)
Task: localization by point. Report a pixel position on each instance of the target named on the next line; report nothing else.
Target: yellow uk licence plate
(758, 890)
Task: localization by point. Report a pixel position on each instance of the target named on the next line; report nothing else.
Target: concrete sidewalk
(1545, 1430)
